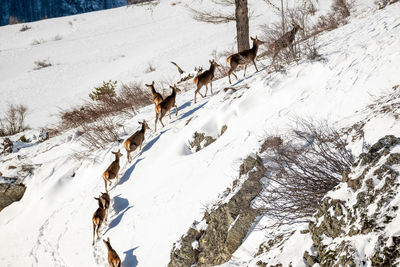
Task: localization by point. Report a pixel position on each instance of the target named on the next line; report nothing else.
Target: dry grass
(130, 98)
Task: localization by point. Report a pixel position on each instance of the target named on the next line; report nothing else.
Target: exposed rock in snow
(226, 226)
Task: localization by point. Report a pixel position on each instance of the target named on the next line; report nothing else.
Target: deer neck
(212, 68)
(173, 94)
(143, 130)
(294, 31)
(255, 48)
(116, 159)
(153, 91)
(108, 246)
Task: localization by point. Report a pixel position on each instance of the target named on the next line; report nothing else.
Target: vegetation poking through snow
(303, 167)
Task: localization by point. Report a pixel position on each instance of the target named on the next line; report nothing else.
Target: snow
(166, 187)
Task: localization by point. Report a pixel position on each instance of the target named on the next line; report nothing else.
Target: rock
(227, 225)
(10, 192)
(7, 146)
(200, 141)
(336, 222)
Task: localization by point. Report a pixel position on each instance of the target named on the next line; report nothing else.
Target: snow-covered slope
(117, 44)
(167, 185)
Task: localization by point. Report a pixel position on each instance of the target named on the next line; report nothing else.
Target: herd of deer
(162, 106)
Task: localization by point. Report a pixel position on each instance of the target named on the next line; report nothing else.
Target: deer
(113, 258)
(285, 40)
(243, 58)
(105, 198)
(165, 106)
(98, 217)
(112, 171)
(135, 140)
(157, 97)
(205, 78)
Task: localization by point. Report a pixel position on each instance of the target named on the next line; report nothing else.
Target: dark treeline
(32, 10)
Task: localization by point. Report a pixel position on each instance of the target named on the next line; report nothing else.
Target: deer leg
(98, 231)
(254, 62)
(94, 231)
(155, 123)
(245, 67)
(169, 114)
(161, 116)
(231, 71)
(195, 93)
(206, 91)
(105, 183)
(211, 88)
(176, 108)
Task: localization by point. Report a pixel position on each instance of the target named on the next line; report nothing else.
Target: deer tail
(195, 80)
(229, 59)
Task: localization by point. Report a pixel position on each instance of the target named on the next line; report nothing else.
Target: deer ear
(252, 38)
(152, 83)
(96, 198)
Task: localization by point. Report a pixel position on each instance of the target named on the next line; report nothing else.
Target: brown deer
(112, 170)
(243, 58)
(166, 105)
(113, 258)
(284, 41)
(105, 197)
(98, 217)
(157, 97)
(205, 78)
(135, 140)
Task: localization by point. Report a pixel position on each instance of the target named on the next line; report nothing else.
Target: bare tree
(241, 17)
(14, 120)
(242, 24)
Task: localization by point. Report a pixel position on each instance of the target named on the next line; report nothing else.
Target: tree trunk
(242, 25)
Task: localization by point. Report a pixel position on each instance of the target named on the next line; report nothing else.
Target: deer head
(176, 89)
(256, 42)
(144, 124)
(117, 154)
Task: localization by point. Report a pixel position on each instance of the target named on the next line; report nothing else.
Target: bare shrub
(100, 133)
(40, 64)
(25, 28)
(13, 20)
(302, 168)
(150, 68)
(130, 98)
(338, 15)
(14, 120)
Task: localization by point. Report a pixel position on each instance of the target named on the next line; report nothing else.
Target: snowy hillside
(117, 44)
(167, 185)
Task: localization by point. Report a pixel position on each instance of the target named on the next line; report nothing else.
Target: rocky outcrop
(10, 191)
(7, 146)
(361, 208)
(225, 227)
(201, 140)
